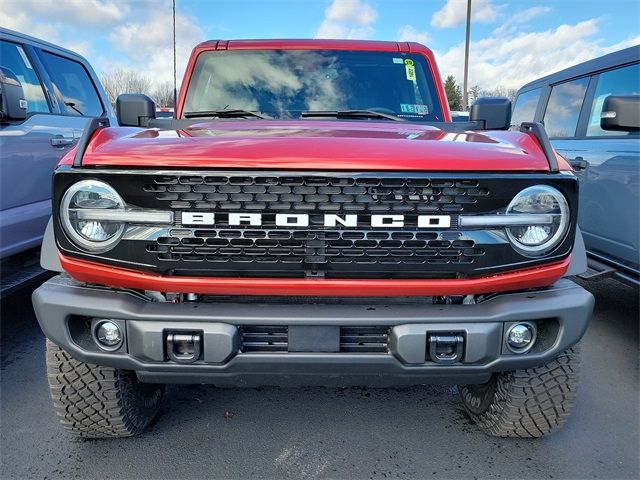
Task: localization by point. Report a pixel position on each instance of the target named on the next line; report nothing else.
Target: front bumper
(64, 308)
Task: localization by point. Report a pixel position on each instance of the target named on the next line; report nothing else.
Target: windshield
(285, 83)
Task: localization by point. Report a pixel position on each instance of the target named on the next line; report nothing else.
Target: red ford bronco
(313, 217)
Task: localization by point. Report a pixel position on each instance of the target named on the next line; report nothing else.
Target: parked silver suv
(48, 93)
(607, 161)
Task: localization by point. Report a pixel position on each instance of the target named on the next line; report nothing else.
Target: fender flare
(578, 263)
(49, 259)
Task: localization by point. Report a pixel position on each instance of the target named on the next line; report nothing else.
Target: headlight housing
(80, 203)
(539, 238)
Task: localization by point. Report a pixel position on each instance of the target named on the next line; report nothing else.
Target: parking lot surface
(329, 433)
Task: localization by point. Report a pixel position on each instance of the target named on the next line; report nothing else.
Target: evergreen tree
(454, 93)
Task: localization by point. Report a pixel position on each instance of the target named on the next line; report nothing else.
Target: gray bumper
(562, 311)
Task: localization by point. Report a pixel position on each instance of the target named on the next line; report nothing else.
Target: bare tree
(119, 81)
(475, 92)
(501, 91)
(163, 95)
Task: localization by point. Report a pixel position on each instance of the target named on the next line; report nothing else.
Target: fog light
(108, 335)
(520, 337)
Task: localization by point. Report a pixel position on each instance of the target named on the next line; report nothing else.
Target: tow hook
(445, 348)
(184, 347)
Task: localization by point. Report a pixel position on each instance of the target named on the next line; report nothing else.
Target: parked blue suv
(570, 104)
(48, 93)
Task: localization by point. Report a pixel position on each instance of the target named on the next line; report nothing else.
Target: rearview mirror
(134, 110)
(13, 104)
(621, 113)
(495, 112)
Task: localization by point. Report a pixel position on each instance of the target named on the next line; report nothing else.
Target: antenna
(175, 80)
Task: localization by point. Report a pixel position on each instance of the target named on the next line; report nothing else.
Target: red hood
(315, 145)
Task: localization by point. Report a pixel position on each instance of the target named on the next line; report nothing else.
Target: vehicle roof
(620, 57)
(310, 44)
(39, 43)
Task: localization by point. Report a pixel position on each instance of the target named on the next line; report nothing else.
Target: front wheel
(99, 402)
(525, 403)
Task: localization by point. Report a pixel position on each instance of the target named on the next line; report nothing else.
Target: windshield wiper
(350, 114)
(226, 114)
(73, 106)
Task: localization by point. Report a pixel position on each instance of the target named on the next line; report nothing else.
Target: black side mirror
(134, 110)
(13, 104)
(495, 112)
(621, 113)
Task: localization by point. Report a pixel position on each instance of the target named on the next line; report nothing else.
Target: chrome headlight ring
(82, 199)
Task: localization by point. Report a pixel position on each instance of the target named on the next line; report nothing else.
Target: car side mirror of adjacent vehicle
(13, 105)
(494, 112)
(621, 113)
(134, 110)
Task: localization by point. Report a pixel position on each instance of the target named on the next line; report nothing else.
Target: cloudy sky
(512, 41)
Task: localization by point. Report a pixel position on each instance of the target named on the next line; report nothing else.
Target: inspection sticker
(398, 60)
(411, 71)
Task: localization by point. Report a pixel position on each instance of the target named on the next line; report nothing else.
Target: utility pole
(175, 80)
(465, 94)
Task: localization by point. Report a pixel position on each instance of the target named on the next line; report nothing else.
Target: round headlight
(552, 209)
(80, 203)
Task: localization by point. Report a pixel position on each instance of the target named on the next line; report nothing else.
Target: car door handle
(60, 141)
(579, 163)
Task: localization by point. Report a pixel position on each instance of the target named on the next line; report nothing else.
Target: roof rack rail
(538, 131)
(92, 125)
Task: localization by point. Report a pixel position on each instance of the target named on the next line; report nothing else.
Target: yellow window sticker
(408, 61)
(411, 72)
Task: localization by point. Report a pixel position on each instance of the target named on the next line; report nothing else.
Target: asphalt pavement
(419, 432)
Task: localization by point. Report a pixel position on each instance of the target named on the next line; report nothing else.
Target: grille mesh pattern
(337, 247)
(315, 196)
(319, 194)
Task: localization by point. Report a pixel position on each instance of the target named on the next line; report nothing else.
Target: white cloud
(74, 12)
(147, 42)
(530, 13)
(351, 19)
(512, 58)
(138, 32)
(454, 13)
(408, 33)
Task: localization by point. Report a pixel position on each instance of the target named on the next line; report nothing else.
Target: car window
(524, 110)
(563, 109)
(621, 81)
(285, 83)
(15, 59)
(72, 83)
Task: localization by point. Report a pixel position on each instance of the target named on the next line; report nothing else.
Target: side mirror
(621, 113)
(13, 104)
(134, 110)
(495, 112)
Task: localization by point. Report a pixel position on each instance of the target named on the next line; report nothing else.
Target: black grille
(337, 247)
(265, 338)
(360, 251)
(364, 339)
(315, 194)
(275, 339)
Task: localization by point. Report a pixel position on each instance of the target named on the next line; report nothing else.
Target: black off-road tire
(525, 403)
(99, 402)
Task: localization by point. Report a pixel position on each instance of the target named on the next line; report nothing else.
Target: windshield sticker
(398, 60)
(418, 109)
(411, 72)
(408, 61)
